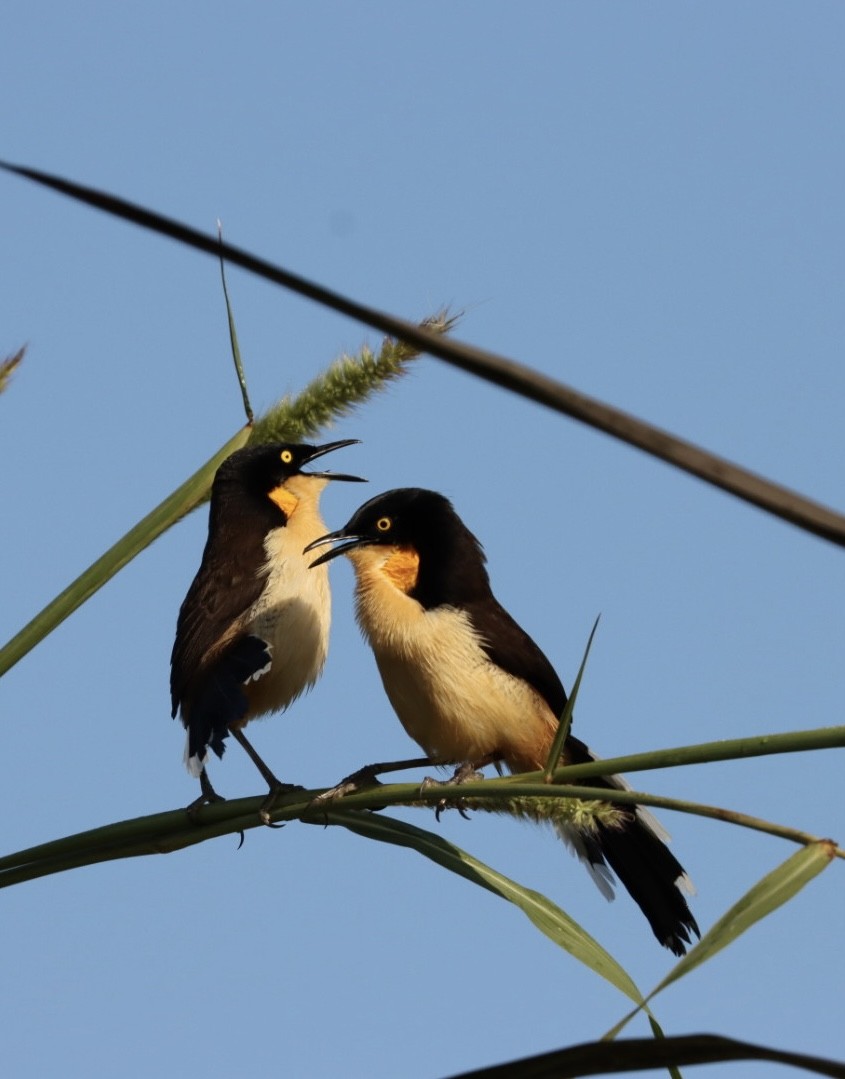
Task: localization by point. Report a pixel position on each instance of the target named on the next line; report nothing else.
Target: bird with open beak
(253, 630)
(472, 688)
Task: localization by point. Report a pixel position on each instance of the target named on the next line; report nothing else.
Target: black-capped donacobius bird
(253, 630)
(472, 688)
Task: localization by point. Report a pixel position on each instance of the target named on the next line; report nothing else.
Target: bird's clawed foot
(464, 773)
(277, 790)
(366, 777)
(363, 778)
(208, 797)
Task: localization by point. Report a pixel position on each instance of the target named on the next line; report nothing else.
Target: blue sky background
(643, 200)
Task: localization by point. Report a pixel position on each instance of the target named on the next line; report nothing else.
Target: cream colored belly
(294, 617)
(452, 700)
(298, 633)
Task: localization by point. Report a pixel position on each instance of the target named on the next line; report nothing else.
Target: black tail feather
(645, 866)
(651, 874)
(222, 700)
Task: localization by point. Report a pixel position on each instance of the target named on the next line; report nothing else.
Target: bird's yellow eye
(287, 456)
(384, 524)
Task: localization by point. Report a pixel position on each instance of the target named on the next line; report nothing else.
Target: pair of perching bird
(467, 683)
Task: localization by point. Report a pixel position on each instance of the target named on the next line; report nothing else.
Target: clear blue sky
(643, 200)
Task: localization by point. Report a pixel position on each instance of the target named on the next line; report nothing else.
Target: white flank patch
(194, 764)
(684, 884)
(264, 670)
(601, 874)
(652, 823)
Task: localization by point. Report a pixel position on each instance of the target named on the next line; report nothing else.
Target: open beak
(331, 537)
(327, 448)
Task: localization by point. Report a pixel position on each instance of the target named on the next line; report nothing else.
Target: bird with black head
(253, 630)
(472, 688)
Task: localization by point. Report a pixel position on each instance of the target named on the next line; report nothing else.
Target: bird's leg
(466, 772)
(366, 777)
(208, 796)
(463, 773)
(277, 788)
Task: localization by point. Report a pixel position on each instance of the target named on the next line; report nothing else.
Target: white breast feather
(293, 613)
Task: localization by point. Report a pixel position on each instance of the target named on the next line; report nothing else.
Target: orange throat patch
(402, 568)
(284, 499)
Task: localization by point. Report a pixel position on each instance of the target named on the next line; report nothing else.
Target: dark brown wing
(221, 594)
(643, 863)
(221, 700)
(509, 647)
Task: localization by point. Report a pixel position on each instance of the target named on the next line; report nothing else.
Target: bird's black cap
(274, 462)
(405, 515)
(449, 562)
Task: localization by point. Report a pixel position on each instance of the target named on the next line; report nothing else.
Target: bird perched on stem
(253, 630)
(472, 688)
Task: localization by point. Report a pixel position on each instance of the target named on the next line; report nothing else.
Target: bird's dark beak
(318, 451)
(331, 537)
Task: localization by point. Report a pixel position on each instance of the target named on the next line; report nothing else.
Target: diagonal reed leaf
(657, 1031)
(565, 720)
(501, 371)
(347, 382)
(542, 912)
(185, 498)
(637, 1054)
(765, 897)
(233, 337)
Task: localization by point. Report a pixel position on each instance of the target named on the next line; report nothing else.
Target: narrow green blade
(233, 336)
(545, 915)
(765, 897)
(657, 1031)
(565, 719)
(167, 513)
